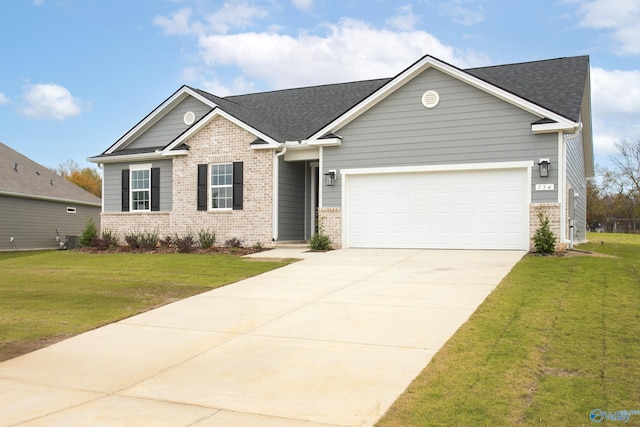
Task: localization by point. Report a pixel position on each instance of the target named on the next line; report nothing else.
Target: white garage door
(475, 209)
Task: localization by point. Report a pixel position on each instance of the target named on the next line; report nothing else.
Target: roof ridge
(305, 87)
(525, 62)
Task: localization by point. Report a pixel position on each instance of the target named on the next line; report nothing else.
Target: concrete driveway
(330, 340)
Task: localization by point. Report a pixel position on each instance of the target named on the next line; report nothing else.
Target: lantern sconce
(544, 167)
(330, 178)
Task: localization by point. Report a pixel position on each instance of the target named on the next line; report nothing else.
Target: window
(222, 186)
(140, 189)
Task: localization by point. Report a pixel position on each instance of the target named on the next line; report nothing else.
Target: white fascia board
(561, 126)
(126, 158)
(325, 142)
(419, 67)
(439, 168)
(217, 111)
(160, 111)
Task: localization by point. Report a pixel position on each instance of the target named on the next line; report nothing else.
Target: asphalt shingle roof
(21, 175)
(295, 114)
(555, 84)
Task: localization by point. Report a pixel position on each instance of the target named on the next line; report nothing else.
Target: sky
(76, 75)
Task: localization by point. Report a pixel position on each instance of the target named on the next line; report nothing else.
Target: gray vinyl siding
(171, 125)
(112, 194)
(33, 223)
(468, 126)
(577, 180)
(291, 196)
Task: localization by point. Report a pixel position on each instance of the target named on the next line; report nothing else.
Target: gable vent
(189, 118)
(430, 99)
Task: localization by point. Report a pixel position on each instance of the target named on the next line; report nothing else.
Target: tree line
(87, 178)
(613, 198)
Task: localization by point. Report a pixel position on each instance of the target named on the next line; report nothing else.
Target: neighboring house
(39, 208)
(435, 157)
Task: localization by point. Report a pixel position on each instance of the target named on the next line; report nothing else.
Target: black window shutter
(155, 189)
(125, 190)
(237, 185)
(202, 187)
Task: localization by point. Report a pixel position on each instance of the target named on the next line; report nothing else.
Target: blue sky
(75, 75)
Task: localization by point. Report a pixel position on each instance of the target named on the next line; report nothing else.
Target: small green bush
(544, 240)
(258, 246)
(133, 240)
(89, 233)
(206, 238)
(320, 241)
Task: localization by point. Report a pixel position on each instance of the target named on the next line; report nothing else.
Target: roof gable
(22, 177)
(507, 79)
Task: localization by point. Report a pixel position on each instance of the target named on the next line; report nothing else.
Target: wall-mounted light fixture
(544, 167)
(330, 178)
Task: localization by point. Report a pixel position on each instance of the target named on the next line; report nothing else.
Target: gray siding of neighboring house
(171, 125)
(34, 224)
(112, 194)
(291, 211)
(468, 126)
(577, 181)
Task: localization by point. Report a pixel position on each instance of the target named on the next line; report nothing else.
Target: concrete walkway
(330, 340)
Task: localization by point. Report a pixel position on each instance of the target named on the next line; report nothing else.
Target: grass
(558, 338)
(49, 296)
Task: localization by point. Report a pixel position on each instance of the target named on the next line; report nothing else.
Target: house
(39, 208)
(435, 157)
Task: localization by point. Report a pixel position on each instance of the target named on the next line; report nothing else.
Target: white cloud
(621, 17)
(4, 99)
(463, 12)
(38, 2)
(178, 24)
(404, 20)
(232, 15)
(350, 50)
(616, 107)
(50, 101)
(302, 4)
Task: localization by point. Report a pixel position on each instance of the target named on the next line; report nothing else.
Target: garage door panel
(485, 209)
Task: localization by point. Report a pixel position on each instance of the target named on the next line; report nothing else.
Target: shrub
(149, 240)
(145, 241)
(258, 246)
(234, 242)
(320, 241)
(133, 240)
(89, 233)
(206, 238)
(544, 240)
(107, 240)
(184, 244)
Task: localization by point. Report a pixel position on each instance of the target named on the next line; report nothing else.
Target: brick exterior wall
(220, 141)
(552, 211)
(331, 222)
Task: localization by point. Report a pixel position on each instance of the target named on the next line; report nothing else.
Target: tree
(627, 162)
(88, 179)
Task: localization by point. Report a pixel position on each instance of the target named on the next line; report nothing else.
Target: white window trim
(139, 167)
(210, 187)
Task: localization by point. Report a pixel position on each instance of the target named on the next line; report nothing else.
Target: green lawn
(558, 338)
(49, 296)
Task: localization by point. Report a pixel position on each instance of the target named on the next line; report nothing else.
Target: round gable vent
(430, 98)
(189, 118)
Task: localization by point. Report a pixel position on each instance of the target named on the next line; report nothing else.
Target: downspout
(276, 184)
